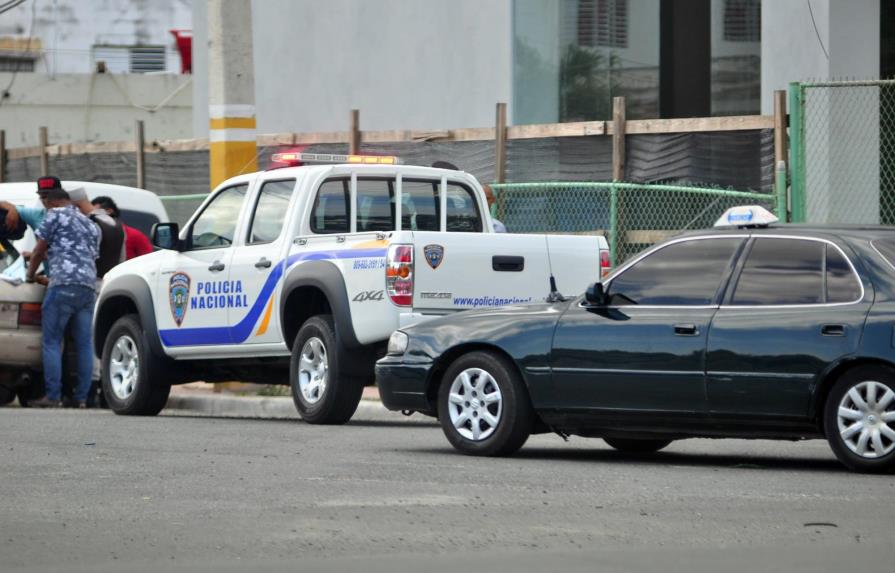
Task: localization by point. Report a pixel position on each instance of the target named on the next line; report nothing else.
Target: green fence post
(797, 151)
(780, 191)
(613, 225)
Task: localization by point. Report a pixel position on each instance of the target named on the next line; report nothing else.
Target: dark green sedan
(778, 332)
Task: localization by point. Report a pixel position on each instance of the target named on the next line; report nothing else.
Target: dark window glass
(462, 211)
(375, 211)
(419, 205)
(270, 211)
(330, 214)
(842, 284)
(782, 271)
(139, 220)
(685, 273)
(216, 224)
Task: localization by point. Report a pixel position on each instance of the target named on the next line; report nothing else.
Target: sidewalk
(200, 399)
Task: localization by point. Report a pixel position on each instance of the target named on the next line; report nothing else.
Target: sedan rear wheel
(483, 405)
(859, 419)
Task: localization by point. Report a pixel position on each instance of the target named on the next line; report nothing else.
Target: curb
(223, 406)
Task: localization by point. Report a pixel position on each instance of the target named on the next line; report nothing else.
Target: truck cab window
(462, 212)
(375, 208)
(330, 212)
(270, 211)
(216, 224)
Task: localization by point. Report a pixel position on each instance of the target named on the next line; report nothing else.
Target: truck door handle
(685, 330)
(263, 264)
(507, 264)
(216, 266)
(833, 330)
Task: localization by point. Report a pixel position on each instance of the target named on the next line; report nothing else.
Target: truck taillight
(605, 264)
(29, 314)
(399, 274)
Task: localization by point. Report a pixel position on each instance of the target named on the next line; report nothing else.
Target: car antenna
(555, 295)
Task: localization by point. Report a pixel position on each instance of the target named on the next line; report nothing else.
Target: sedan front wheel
(483, 405)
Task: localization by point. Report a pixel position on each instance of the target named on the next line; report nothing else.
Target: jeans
(62, 304)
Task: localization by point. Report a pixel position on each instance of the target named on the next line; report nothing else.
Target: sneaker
(45, 403)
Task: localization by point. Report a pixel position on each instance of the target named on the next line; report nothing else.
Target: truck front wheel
(322, 395)
(134, 381)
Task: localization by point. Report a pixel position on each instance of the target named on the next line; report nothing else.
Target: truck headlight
(397, 342)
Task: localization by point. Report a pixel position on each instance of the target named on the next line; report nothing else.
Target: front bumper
(402, 385)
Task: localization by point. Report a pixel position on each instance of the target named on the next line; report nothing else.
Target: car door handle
(216, 266)
(833, 330)
(508, 263)
(263, 264)
(685, 330)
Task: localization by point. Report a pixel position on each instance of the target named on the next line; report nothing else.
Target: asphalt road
(91, 491)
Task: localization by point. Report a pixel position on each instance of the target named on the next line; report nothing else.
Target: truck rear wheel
(322, 394)
(134, 380)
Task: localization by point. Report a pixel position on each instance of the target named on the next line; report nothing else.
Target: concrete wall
(68, 29)
(791, 50)
(82, 108)
(405, 64)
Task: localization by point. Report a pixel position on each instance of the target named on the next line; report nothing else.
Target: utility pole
(231, 90)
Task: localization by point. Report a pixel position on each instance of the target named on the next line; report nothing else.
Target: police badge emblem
(179, 295)
(434, 255)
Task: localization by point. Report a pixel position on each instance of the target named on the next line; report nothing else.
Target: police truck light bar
(290, 158)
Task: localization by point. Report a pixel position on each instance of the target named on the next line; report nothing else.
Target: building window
(742, 20)
(130, 59)
(603, 23)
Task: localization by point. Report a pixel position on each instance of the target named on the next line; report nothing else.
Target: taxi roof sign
(746, 216)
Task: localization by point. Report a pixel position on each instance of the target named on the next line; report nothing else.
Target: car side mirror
(595, 294)
(166, 236)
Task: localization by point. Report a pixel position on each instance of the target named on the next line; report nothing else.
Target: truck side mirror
(165, 236)
(595, 294)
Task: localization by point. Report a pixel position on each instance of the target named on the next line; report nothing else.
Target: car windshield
(8, 255)
(886, 248)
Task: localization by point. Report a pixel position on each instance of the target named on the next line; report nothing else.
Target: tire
(134, 380)
(636, 445)
(478, 426)
(322, 394)
(859, 419)
(7, 395)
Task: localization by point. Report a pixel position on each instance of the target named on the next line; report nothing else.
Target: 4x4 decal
(366, 295)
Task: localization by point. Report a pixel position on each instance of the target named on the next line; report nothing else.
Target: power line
(816, 31)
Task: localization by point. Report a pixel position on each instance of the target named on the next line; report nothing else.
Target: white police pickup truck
(299, 275)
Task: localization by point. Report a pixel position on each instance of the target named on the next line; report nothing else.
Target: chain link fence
(843, 152)
(632, 216)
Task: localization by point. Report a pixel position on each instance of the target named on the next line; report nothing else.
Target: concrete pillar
(231, 90)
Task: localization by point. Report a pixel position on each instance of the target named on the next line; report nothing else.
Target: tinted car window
(270, 211)
(375, 211)
(842, 283)
(216, 225)
(330, 213)
(685, 273)
(419, 205)
(462, 212)
(782, 271)
(139, 220)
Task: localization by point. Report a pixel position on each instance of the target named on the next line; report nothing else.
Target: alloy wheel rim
(124, 367)
(475, 404)
(313, 370)
(865, 419)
